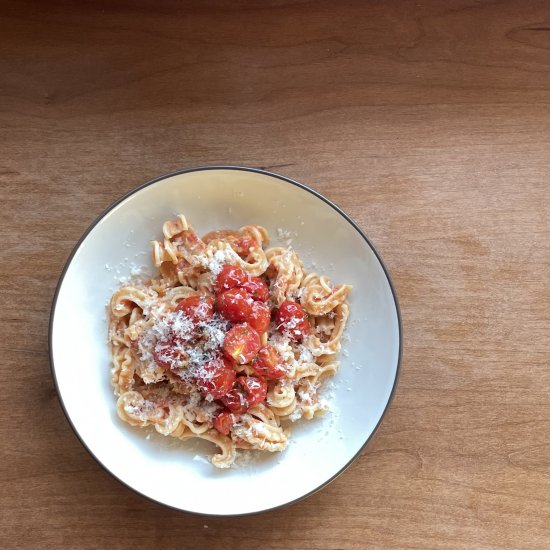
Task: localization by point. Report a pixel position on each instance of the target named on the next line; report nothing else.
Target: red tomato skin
(229, 277)
(235, 400)
(241, 343)
(224, 421)
(257, 288)
(255, 389)
(218, 379)
(165, 355)
(197, 308)
(291, 319)
(247, 392)
(269, 364)
(235, 304)
(260, 317)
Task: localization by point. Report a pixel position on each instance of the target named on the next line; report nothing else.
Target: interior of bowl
(177, 473)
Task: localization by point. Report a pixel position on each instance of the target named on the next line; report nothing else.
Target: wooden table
(428, 122)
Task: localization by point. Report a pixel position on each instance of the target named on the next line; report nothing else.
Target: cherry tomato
(257, 288)
(216, 378)
(235, 400)
(224, 421)
(166, 355)
(247, 392)
(197, 308)
(268, 363)
(291, 319)
(230, 277)
(241, 343)
(235, 304)
(255, 389)
(260, 317)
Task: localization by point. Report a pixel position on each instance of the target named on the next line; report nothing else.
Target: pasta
(230, 342)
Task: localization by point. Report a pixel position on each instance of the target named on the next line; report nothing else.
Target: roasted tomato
(257, 288)
(167, 356)
(230, 277)
(241, 343)
(260, 317)
(268, 363)
(216, 378)
(255, 389)
(235, 304)
(235, 400)
(198, 308)
(247, 392)
(224, 421)
(292, 320)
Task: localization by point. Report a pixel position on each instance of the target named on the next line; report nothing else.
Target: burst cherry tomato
(235, 400)
(198, 308)
(235, 304)
(260, 317)
(255, 389)
(291, 319)
(268, 363)
(224, 421)
(257, 288)
(247, 392)
(230, 277)
(241, 343)
(216, 378)
(166, 355)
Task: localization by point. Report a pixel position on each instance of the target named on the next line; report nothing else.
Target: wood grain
(428, 122)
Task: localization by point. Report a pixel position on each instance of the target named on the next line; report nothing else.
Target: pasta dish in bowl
(228, 343)
(255, 343)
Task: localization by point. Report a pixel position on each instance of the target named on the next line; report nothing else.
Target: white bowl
(176, 473)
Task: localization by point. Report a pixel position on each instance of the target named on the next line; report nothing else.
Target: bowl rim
(264, 172)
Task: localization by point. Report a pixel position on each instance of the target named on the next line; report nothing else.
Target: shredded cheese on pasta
(158, 352)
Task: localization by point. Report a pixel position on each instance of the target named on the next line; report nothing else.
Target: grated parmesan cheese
(284, 235)
(185, 346)
(295, 415)
(299, 293)
(218, 260)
